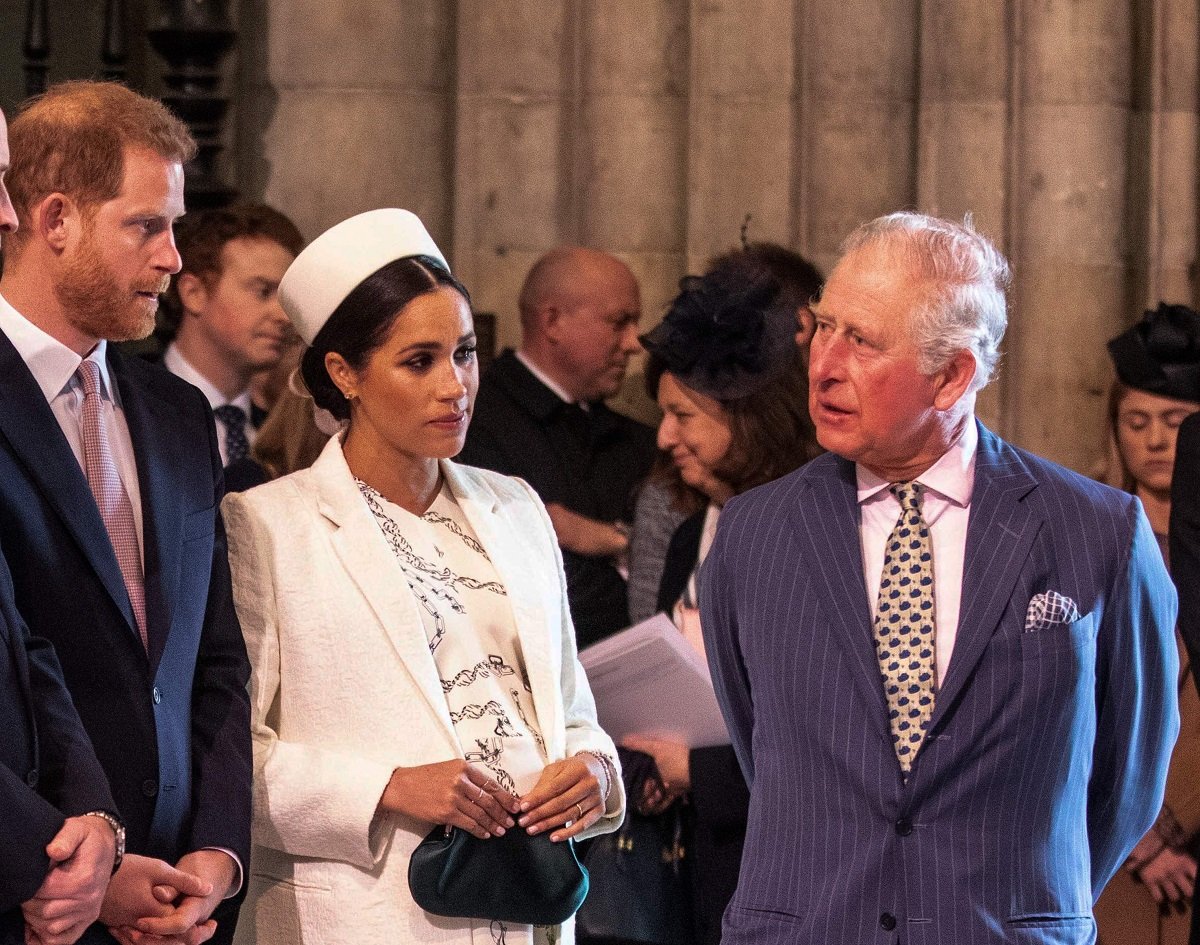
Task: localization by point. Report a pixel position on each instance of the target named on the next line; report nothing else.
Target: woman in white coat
(413, 657)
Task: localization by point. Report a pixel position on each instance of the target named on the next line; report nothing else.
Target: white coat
(344, 690)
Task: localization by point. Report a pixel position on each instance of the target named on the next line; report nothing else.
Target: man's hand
(587, 536)
(188, 921)
(146, 888)
(69, 899)
(672, 759)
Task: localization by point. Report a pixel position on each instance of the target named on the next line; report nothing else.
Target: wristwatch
(118, 829)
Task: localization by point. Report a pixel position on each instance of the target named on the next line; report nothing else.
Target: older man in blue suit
(947, 665)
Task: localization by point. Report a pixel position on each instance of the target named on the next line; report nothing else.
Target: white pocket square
(1049, 609)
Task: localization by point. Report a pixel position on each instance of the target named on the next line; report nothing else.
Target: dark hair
(360, 325)
(201, 238)
(771, 433)
(799, 280)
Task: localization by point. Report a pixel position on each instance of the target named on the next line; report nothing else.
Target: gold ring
(579, 807)
(479, 796)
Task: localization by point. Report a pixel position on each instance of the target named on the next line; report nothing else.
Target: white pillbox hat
(334, 264)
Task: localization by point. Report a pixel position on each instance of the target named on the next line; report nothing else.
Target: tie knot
(89, 376)
(908, 494)
(232, 416)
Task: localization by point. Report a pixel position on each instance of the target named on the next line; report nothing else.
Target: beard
(97, 305)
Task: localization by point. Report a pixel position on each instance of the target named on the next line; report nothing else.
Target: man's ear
(550, 321)
(56, 218)
(193, 293)
(954, 380)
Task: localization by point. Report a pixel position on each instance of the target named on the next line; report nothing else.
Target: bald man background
(540, 415)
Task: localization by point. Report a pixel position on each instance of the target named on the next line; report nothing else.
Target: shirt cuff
(236, 886)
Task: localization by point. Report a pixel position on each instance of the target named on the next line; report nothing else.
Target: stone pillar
(860, 86)
(357, 106)
(741, 127)
(515, 127)
(1071, 251)
(962, 128)
(631, 155)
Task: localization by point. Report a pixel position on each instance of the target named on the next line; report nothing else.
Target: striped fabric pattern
(1045, 757)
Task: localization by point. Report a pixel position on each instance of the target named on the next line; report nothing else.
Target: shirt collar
(952, 476)
(52, 364)
(541, 376)
(177, 364)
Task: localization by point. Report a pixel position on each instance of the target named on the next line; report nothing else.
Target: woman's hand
(674, 768)
(1169, 877)
(454, 793)
(567, 792)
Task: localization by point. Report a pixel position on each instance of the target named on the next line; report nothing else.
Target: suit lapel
(32, 431)
(370, 562)
(832, 544)
(151, 424)
(511, 557)
(1000, 533)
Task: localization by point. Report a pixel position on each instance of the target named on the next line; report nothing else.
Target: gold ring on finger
(579, 807)
(479, 796)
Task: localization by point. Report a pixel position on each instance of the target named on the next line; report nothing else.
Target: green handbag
(527, 880)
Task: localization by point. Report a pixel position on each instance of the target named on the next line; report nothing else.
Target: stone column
(356, 102)
(962, 146)
(860, 82)
(1071, 250)
(741, 128)
(515, 127)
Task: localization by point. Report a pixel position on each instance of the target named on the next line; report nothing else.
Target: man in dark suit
(57, 814)
(540, 415)
(110, 481)
(947, 665)
(227, 322)
(1184, 534)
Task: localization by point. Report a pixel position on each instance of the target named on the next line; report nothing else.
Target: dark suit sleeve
(221, 754)
(1137, 710)
(1185, 536)
(718, 620)
(68, 771)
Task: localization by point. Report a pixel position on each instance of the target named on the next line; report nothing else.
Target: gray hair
(964, 305)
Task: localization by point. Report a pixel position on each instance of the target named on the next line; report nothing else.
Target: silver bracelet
(610, 771)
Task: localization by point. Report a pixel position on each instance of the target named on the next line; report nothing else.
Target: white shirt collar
(52, 364)
(541, 376)
(952, 476)
(177, 364)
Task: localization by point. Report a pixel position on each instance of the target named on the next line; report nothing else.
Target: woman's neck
(407, 481)
(1158, 508)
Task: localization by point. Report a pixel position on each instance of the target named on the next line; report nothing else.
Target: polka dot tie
(109, 492)
(237, 445)
(904, 625)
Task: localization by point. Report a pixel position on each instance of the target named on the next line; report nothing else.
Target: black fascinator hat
(1161, 353)
(729, 332)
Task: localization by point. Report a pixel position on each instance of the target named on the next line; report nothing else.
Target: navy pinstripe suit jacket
(1047, 752)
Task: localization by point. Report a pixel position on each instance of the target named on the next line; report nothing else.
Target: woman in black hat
(1157, 387)
(726, 367)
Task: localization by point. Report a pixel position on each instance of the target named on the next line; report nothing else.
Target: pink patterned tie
(109, 492)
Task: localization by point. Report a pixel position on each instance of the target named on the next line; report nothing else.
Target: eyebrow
(433, 345)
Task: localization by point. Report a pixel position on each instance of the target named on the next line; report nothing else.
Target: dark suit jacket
(48, 770)
(1046, 756)
(522, 428)
(1184, 534)
(170, 728)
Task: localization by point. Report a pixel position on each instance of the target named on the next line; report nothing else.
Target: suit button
(156, 695)
(887, 921)
(32, 779)
(904, 826)
(149, 787)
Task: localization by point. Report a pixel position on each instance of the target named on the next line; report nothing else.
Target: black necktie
(234, 420)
